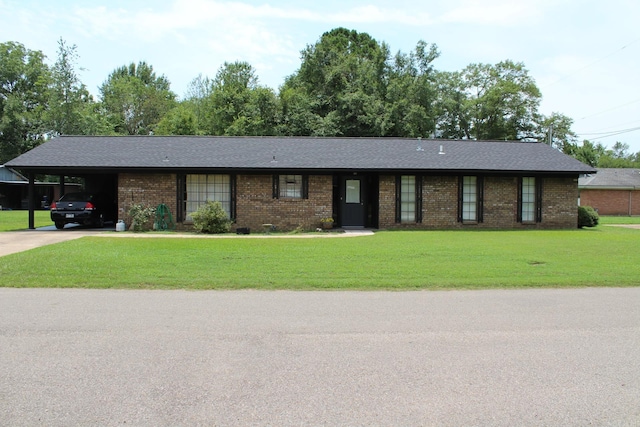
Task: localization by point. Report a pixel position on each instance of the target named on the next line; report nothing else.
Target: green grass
(19, 220)
(619, 219)
(605, 256)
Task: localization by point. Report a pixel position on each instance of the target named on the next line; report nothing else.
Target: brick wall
(147, 189)
(440, 203)
(256, 205)
(612, 202)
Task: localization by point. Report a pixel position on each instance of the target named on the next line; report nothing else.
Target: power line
(613, 133)
(591, 63)
(609, 109)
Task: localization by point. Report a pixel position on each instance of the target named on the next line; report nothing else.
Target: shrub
(587, 217)
(211, 218)
(141, 216)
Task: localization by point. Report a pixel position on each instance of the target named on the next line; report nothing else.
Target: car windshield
(76, 197)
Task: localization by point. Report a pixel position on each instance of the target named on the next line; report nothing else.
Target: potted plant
(326, 222)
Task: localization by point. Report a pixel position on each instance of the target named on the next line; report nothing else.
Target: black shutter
(538, 199)
(181, 197)
(233, 190)
(275, 187)
(305, 186)
(398, 197)
(480, 206)
(460, 191)
(519, 204)
(419, 198)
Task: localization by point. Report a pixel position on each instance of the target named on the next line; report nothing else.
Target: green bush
(587, 217)
(211, 218)
(141, 216)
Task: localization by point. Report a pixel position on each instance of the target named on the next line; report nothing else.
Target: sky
(583, 55)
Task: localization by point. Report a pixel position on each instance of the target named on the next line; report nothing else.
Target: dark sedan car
(82, 208)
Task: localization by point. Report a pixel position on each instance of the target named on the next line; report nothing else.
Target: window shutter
(275, 187)
(232, 201)
(538, 199)
(460, 192)
(305, 186)
(419, 198)
(398, 218)
(480, 206)
(181, 199)
(519, 207)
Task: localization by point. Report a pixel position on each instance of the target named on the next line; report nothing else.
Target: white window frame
(290, 186)
(469, 199)
(528, 202)
(201, 188)
(408, 200)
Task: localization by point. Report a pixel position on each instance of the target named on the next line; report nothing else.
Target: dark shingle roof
(293, 153)
(609, 178)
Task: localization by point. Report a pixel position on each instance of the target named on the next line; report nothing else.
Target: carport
(94, 181)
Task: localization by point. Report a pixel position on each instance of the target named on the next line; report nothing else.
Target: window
(290, 187)
(407, 198)
(202, 188)
(470, 199)
(528, 211)
(530, 199)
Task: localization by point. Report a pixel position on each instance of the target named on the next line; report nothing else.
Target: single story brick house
(611, 191)
(295, 182)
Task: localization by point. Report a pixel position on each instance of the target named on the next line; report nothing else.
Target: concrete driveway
(18, 241)
(237, 358)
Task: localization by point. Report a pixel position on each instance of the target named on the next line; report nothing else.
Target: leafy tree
(24, 82)
(179, 121)
(135, 99)
(557, 127)
(342, 77)
(502, 101)
(72, 110)
(411, 92)
(239, 105)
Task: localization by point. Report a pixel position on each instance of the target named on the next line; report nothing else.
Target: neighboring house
(14, 190)
(294, 182)
(611, 191)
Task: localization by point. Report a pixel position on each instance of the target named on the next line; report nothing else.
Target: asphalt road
(453, 358)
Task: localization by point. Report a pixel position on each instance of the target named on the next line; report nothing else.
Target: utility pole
(550, 136)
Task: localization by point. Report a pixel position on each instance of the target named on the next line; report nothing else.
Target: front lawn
(619, 220)
(605, 256)
(19, 220)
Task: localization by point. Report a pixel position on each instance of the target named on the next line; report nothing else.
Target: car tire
(59, 225)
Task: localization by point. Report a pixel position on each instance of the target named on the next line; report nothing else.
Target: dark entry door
(353, 209)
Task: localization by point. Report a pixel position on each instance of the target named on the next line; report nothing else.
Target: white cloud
(509, 13)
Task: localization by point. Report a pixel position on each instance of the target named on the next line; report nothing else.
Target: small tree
(211, 218)
(587, 217)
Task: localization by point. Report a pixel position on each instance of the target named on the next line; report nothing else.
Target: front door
(353, 209)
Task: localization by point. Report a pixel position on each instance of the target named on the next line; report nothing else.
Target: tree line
(348, 84)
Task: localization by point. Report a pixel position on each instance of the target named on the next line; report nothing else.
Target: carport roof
(119, 153)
